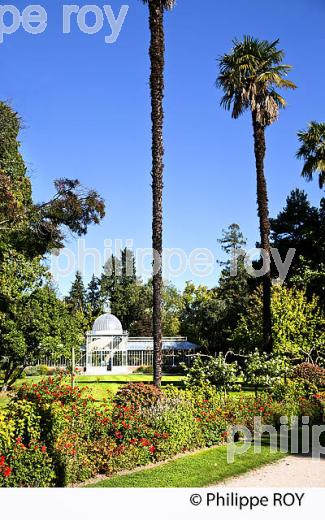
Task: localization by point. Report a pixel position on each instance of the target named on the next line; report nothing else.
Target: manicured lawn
(197, 470)
(99, 385)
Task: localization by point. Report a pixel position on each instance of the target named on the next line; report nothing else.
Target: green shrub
(7, 432)
(216, 371)
(26, 466)
(174, 425)
(26, 419)
(129, 457)
(36, 370)
(24, 459)
(289, 390)
(312, 408)
(147, 369)
(262, 370)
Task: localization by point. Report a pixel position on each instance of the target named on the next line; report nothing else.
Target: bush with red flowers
(308, 372)
(68, 421)
(27, 466)
(53, 434)
(138, 395)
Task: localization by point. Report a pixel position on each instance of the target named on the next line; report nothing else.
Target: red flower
(7, 472)
(43, 449)
(152, 449)
(2, 461)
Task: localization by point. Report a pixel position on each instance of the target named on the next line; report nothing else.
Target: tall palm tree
(312, 150)
(249, 75)
(157, 61)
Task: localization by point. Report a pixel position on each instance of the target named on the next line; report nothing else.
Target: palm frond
(312, 151)
(249, 75)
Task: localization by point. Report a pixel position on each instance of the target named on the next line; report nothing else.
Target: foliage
(243, 410)
(131, 299)
(68, 421)
(174, 418)
(26, 466)
(201, 315)
(209, 316)
(312, 151)
(67, 437)
(138, 395)
(301, 226)
(313, 407)
(33, 321)
(263, 370)
(249, 76)
(298, 325)
(216, 371)
(24, 461)
(309, 372)
(94, 301)
(40, 370)
(34, 324)
(147, 369)
(287, 390)
(76, 299)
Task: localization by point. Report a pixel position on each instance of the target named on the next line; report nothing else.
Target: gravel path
(289, 472)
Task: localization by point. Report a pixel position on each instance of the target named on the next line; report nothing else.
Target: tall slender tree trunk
(156, 52)
(263, 213)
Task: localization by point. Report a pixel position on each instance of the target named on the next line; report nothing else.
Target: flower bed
(54, 435)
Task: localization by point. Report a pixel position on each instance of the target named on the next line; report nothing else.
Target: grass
(4, 399)
(197, 470)
(99, 385)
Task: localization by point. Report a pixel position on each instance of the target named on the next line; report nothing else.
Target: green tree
(36, 228)
(33, 322)
(298, 325)
(15, 186)
(94, 300)
(249, 77)
(312, 151)
(263, 370)
(302, 226)
(212, 370)
(201, 315)
(120, 285)
(76, 299)
(234, 283)
(171, 308)
(157, 61)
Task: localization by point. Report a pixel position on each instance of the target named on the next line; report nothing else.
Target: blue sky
(86, 109)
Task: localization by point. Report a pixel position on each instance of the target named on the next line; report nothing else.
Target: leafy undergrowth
(197, 470)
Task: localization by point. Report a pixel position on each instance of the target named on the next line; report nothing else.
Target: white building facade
(110, 350)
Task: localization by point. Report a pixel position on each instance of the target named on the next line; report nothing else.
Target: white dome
(108, 323)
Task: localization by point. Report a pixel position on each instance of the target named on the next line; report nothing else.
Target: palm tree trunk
(263, 213)
(156, 52)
